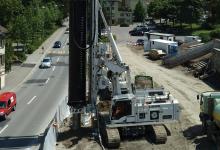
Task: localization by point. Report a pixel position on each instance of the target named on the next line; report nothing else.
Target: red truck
(7, 104)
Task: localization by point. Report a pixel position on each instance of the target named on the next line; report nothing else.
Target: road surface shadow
(20, 141)
(213, 81)
(199, 138)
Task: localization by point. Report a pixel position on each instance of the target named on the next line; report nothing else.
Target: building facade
(3, 31)
(116, 12)
(120, 11)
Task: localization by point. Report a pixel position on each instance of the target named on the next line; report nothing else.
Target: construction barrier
(51, 133)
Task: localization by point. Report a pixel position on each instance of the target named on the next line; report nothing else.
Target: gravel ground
(185, 135)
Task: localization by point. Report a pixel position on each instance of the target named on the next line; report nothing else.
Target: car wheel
(4, 117)
(14, 108)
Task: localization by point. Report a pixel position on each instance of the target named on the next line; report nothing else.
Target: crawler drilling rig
(131, 111)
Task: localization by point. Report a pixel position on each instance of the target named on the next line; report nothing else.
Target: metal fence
(51, 133)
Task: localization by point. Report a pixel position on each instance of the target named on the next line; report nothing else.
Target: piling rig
(129, 111)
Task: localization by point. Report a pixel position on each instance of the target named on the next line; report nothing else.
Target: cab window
(2, 105)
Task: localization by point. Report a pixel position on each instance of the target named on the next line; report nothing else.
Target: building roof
(161, 34)
(163, 41)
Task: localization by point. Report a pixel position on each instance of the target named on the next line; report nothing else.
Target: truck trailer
(169, 47)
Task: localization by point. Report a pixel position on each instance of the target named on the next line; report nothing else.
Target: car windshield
(140, 40)
(2, 104)
(46, 60)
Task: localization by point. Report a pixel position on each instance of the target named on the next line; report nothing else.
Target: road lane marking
(47, 80)
(58, 59)
(54, 68)
(65, 43)
(3, 129)
(31, 100)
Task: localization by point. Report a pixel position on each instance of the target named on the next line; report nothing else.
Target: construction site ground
(185, 135)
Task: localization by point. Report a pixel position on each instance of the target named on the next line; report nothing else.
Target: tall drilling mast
(77, 53)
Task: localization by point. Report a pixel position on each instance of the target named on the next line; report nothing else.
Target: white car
(67, 31)
(46, 62)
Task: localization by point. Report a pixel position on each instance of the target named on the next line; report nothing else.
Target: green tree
(187, 11)
(29, 22)
(9, 10)
(139, 12)
(212, 6)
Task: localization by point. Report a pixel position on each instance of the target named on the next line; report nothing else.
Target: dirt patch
(70, 139)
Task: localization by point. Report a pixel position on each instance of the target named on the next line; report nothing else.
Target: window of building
(1, 43)
(2, 59)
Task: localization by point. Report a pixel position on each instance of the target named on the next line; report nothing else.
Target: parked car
(138, 27)
(138, 32)
(67, 31)
(57, 44)
(140, 42)
(7, 104)
(46, 62)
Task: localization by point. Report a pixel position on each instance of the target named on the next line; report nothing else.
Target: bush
(115, 38)
(215, 34)
(205, 36)
(207, 26)
(104, 39)
(20, 56)
(124, 25)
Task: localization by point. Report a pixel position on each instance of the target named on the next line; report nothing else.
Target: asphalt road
(37, 101)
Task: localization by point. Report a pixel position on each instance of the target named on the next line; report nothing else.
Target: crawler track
(159, 134)
(112, 138)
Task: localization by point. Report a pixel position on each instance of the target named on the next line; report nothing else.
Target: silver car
(46, 62)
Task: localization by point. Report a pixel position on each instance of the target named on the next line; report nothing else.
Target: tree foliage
(30, 21)
(212, 7)
(187, 11)
(139, 12)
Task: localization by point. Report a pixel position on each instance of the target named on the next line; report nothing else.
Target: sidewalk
(20, 73)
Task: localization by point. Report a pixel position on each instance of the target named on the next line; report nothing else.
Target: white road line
(3, 129)
(58, 59)
(47, 80)
(65, 43)
(54, 68)
(31, 100)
